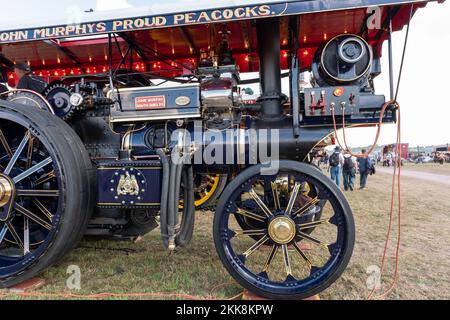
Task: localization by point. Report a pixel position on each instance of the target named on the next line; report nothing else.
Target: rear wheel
(208, 189)
(269, 256)
(30, 99)
(45, 191)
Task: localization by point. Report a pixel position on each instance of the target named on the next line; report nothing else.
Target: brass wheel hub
(282, 230)
(7, 192)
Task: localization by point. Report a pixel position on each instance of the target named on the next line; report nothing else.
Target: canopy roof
(170, 42)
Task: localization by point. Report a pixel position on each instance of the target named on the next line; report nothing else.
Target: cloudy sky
(424, 92)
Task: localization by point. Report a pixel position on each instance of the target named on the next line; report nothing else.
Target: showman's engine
(166, 130)
(342, 70)
(130, 126)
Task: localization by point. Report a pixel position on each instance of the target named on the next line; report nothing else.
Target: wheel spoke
(287, 262)
(262, 232)
(302, 254)
(5, 144)
(37, 193)
(256, 246)
(293, 198)
(14, 234)
(32, 216)
(313, 239)
(276, 197)
(44, 210)
(250, 215)
(32, 170)
(17, 154)
(3, 233)
(30, 153)
(307, 206)
(306, 226)
(270, 259)
(46, 177)
(260, 203)
(26, 236)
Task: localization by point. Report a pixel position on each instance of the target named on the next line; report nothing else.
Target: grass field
(147, 268)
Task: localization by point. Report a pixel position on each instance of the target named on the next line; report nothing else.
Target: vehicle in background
(424, 159)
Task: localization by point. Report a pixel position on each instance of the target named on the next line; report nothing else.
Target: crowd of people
(343, 167)
(386, 159)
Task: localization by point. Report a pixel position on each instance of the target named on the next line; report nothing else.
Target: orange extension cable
(397, 168)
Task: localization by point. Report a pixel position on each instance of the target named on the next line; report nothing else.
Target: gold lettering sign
(137, 23)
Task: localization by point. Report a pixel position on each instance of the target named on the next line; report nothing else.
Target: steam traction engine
(117, 152)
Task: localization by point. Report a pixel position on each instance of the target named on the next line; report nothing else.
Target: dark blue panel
(123, 184)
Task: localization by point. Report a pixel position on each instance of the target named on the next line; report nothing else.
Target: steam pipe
(186, 232)
(268, 32)
(164, 195)
(176, 170)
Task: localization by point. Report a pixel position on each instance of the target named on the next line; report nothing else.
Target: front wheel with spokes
(286, 252)
(45, 187)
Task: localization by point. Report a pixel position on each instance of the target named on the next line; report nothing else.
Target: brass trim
(282, 230)
(7, 195)
(154, 118)
(134, 205)
(136, 168)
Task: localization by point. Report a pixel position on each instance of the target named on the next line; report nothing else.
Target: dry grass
(425, 259)
(425, 255)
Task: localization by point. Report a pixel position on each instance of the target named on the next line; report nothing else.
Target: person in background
(316, 161)
(27, 80)
(441, 158)
(365, 168)
(349, 171)
(325, 159)
(389, 159)
(336, 161)
(3, 87)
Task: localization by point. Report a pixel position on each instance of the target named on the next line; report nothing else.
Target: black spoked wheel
(284, 251)
(306, 193)
(45, 191)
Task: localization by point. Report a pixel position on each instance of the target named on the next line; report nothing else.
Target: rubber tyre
(75, 178)
(83, 159)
